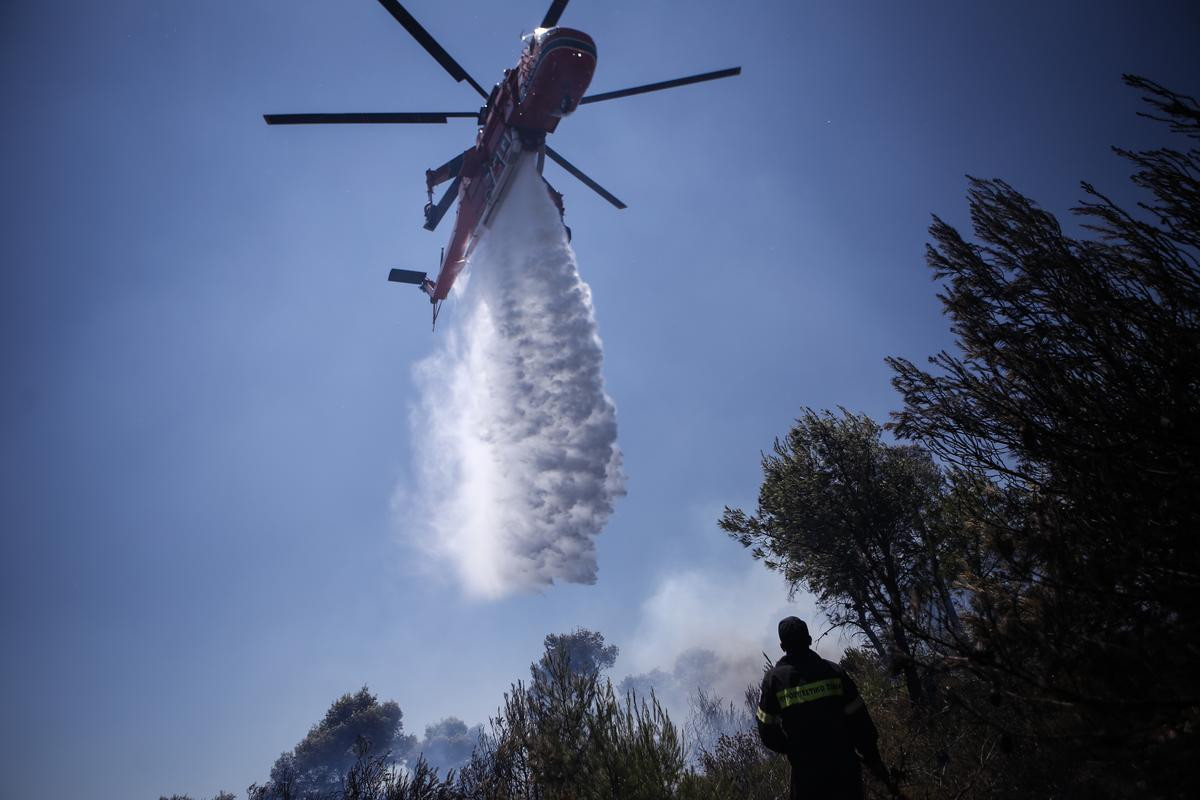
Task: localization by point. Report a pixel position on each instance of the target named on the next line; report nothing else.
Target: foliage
(853, 520)
(738, 768)
(713, 717)
(379, 778)
(1041, 580)
(354, 724)
(567, 735)
(734, 765)
(583, 652)
(1075, 400)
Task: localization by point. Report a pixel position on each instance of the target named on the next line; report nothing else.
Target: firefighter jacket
(810, 710)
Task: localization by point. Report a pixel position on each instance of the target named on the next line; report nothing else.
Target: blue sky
(207, 380)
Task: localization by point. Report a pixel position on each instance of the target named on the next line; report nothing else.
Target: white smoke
(708, 630)
(516, 441)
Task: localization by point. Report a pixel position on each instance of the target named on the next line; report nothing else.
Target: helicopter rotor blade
(430, 44)
(654, 87)
(431, 118)
(553, 13)
(591, 184)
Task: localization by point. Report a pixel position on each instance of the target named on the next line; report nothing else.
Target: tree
(354, 724)
(584, 652)
(1072, 413)
(638, 753)
(554, 720)
(377, 777)
(448, 744)
(853, 520)
(567, 735)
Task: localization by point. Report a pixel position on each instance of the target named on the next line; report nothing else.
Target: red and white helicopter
(547, 84)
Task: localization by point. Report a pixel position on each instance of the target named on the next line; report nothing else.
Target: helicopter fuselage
(546, 85)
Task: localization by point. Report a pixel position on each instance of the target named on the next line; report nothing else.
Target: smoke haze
(516, 441)
(707, 629)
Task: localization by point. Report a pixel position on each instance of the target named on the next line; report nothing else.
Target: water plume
(516, 441)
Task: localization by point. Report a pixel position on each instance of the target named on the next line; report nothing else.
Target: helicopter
(548, 83)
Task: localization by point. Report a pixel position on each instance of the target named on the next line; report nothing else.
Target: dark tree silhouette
(356, 726)
(1075, 400)
(583, 650)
